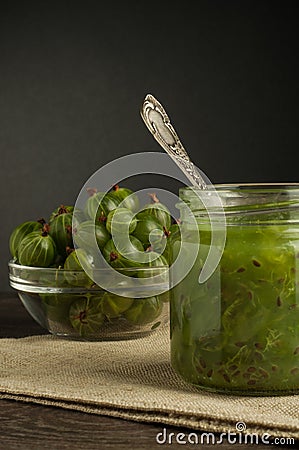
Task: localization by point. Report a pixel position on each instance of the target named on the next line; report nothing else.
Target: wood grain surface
(29, 426)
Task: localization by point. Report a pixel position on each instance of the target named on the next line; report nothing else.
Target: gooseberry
(57, 307)
(124, 256)
(108, 203)
(99, 205)
(128, 198)
(172, 236)
(20, 232)
(143, 311)
(93, 202)
(84, 232)
(37, 249)
(74, 273)
(86, 315)
(61, 231)
(158, 211)
(148, 227)
(113, 305)
(118, 220)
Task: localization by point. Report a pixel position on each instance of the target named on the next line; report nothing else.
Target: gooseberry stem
(45, 230)
(91, 191)
(167, 233)
(154, 198)
(62, 210)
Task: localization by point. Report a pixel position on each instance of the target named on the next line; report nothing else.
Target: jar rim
(246, 186)
(249, 202)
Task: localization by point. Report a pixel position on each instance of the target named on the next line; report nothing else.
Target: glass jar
(238, 332)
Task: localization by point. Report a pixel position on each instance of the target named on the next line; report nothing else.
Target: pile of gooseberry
(54, 244)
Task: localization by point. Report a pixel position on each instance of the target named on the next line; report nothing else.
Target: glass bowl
(68, 304)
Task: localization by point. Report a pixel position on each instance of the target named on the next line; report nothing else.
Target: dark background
(73, 76)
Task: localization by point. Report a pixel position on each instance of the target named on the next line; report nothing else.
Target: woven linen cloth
(132, 379)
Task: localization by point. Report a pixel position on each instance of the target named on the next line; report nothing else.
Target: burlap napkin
(134, 380)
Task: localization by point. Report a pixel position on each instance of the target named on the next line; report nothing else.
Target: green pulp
(239, 331)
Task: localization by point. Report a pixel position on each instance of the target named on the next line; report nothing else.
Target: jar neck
(247, 203)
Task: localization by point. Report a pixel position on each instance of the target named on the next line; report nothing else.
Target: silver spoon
(158, 123)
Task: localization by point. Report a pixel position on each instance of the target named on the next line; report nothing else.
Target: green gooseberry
(74, 273)
(174, 230)
(158, 211)
(37, 249)
(172, 236)
(148, 227)
(86, 315)
(61, 231)
(20, 232)
(92, 203)
(99, 205)
(85, 231)
(114, 305)
(78, 216)
(115, 257)
(127, 197)
(56, 307)
(108, 203)
(118, 220)
(143, 311)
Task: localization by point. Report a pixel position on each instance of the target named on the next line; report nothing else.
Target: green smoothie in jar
(238, 332)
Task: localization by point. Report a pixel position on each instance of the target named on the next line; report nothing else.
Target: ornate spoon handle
(158, 123)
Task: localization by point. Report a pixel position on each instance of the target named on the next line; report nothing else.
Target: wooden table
(34, 427)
